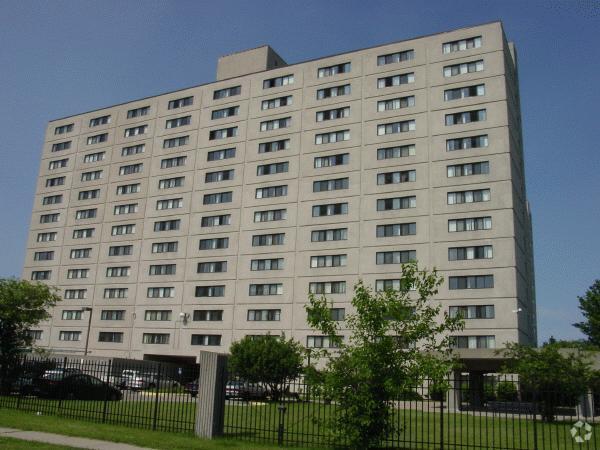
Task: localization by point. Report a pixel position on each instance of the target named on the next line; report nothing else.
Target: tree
(548, 375)
(22, 306)
(270, 360)
(396, 341)
(589, 305)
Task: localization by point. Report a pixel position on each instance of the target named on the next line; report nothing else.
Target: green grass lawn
(17, 444)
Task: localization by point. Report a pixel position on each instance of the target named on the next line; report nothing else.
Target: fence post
(535, 411)
(210, 403)
(155, 418)
(107, 389)
(442, 423)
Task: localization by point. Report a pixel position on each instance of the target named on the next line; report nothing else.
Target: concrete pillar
(585, 408)
(454, 397)
(476, 389)
(210, 403)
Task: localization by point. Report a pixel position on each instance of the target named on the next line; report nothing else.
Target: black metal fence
(142, 394)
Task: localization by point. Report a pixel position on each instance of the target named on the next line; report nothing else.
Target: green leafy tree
(396, 341)
(22, 306)
(270, 360)
(589, 305)
(548, 375)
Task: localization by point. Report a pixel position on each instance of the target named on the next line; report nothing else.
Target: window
(396, 57)
(207, 315)
(83, 233)
(395, 80)
(264, 315)
(464, 92)
(470, 224)
(210, 291)
(320, 342)
(465, 117)
(328, 261)
(213, 243)
(217, 198)
(460, 69)
(467, 142)
(43, 256)
(133, 150)
(167, 225)
(395, 284)
(396, 103)
(473, 341)
(276, 102)
(88, 195)
(135, 131)
(212, 267)
(58, 163)
(80, 253)
(129, 208)
(176, 142)
(119, 230)
(47, 237)
(471, 282)
(329, 71)
(275, 124)
(169, 183)
(467, 253)
(334, 91)
(332, 209)
(227, 92)
(395, 257)
(206, 339)
(49, 218)
(327, 287)
(70, 314)
(169, 203)
(64, 129)
(223, 133)
(256, 290)
(52, 199)
(177, 161)
(112, 314)
(270, 216)
(220, 175)
(165, 247)
(262, 240)
(332, 114)
(97, 121)
(331, 185)
(337, 314)
(389, 204)
(225, 112)
(97, 139)
(110, 336)
(278, 81)
(157, 315)
(162, 269)
(180, 102)
(335, 234)
(271, 191)
(155, 338)
(73, 274)
(118, 272)
(120, 250)
(138, 112)
(271, 169)
(396, 127)
(402, 151)
(75, 294)
(218, 155)
(94, 157)
(460, 170)
(330, 161)
(402, 176)
(396, 229)
(461, 45)
(35, 335)
(125, 189)
(473, 312)
(475, 196)
(329, 138)
(178, 122)
(57, 181)
(38, 275)
(92, 175)
(274, 146)
(69, 336)
(215, 221)
(60, 146)
(131, 169)
(266, 264)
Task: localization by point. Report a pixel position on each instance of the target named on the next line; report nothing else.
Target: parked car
(191, 388)
(245, 391)
(76, 386)
(136, 380)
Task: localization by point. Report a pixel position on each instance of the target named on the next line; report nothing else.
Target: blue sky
(65, 57)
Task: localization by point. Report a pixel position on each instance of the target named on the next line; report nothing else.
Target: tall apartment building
(190, 219)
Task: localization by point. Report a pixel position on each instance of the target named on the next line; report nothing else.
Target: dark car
(245, 391)
(191, 388)
(77, 386)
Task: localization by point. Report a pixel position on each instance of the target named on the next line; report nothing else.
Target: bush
(507, 392)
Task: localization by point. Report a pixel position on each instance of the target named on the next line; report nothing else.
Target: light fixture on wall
(184, 317)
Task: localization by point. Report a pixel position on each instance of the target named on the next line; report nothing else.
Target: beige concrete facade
(144, 165)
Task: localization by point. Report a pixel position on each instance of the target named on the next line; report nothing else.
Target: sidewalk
(70, 441)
